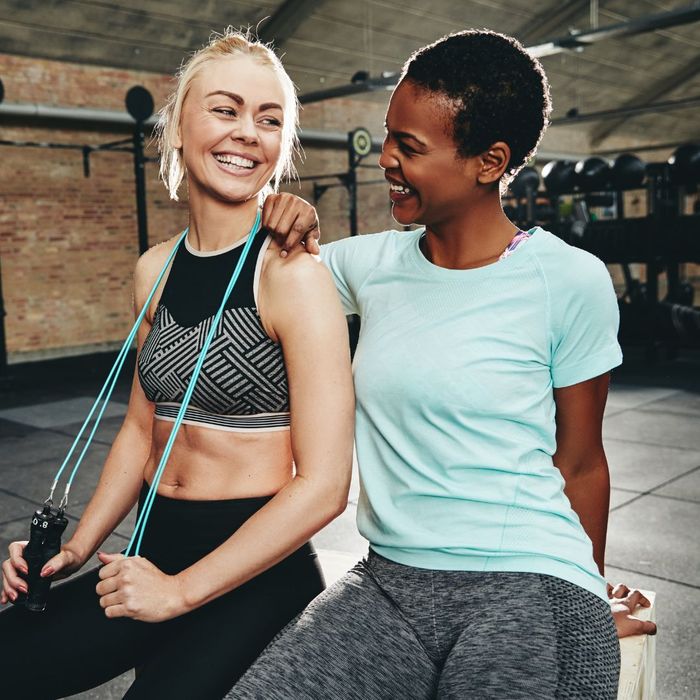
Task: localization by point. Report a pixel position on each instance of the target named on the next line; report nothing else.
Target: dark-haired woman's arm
(581, 458)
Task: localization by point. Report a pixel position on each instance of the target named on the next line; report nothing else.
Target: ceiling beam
(657, 89)
(626, 112)
(287, 18)
(578, 40)
(548, 21)
(575, 40)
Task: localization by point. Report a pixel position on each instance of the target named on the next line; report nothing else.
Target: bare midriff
(208, 464)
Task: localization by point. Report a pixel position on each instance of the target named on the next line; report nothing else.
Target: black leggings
(72, 646)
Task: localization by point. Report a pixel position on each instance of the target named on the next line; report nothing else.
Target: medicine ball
(558, 176)
(528, 179)
(685, 164)
(592, 174)
(628, 172)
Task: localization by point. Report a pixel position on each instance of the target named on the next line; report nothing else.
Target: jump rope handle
(45, 533)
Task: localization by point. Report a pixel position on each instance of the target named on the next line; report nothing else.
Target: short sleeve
(585, 321)
(350, 263)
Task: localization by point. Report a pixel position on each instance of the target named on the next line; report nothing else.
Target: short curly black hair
(500, 92)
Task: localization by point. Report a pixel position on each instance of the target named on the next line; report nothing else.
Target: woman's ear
(177, 141)
(494, 162)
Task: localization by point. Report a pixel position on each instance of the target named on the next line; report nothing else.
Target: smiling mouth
(235, 163)
(399, 193)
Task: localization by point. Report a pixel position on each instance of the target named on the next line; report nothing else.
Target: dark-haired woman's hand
(291, 220)
(623, 602)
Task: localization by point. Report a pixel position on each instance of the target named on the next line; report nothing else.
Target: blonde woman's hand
(65, 563)
(134, 587)
(291, 220)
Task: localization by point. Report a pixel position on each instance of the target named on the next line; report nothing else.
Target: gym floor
(651, 437)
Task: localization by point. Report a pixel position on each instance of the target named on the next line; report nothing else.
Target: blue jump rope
(111, 380)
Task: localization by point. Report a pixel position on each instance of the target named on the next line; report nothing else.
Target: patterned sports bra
(243, 383)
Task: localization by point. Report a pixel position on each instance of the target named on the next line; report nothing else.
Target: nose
(387, 160)
(244, 130)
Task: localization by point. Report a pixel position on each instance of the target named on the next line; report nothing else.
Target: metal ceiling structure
(326, 42)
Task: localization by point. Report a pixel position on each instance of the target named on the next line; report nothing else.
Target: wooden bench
(638, 667)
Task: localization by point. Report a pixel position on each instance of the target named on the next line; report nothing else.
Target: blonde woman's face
(231, 129)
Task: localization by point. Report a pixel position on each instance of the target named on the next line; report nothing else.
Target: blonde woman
(262, 461)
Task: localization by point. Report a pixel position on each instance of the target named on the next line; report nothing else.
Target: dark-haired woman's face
(430, 183)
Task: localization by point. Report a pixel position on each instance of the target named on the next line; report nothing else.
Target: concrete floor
(652, 437)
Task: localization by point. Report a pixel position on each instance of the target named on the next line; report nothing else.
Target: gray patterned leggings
(392, 632)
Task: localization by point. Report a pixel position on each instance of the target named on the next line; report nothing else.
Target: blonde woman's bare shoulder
(151, 262)
(149, 265)
(298, 267)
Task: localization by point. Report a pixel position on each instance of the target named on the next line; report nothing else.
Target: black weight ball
(685, 164)
(628, 172)
(139, 103)
(527, 180)
(558, 176)
(592, 174)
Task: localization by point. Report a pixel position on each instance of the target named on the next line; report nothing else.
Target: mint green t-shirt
(454, 372)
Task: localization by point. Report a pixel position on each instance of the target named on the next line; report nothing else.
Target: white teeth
(400, 189)
(235, 160)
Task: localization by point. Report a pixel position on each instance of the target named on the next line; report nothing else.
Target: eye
(225, 111)
(271, 121)
(405, 148)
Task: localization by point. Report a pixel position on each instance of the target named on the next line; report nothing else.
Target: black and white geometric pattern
(243, 373)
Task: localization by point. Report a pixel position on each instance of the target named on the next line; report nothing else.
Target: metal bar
(550, 19)
(385, 81)
(640, 25)
(641, 147)
(71, 114)
(308, 178)
(41, 144)
(140, 177)
(65, 146)
(655, 107)
(3, 342)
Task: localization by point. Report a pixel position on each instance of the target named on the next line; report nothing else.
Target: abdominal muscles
(210, 464)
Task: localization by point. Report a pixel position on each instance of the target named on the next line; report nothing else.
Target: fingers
(116, 611)
(107, 586)
(634, 599)
(311, 241)
(12, 583)
(107, 601)
(620, 591)
(16, 550)
(290, 220)
(107, 558)
(648, 627)
(629, 626)
(55, 564)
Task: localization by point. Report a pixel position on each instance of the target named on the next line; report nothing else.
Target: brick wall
(68, 244)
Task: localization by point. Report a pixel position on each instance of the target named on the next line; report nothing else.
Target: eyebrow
(407, 135)
(239, 100)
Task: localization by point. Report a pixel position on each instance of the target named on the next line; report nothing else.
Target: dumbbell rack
(660, 241)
